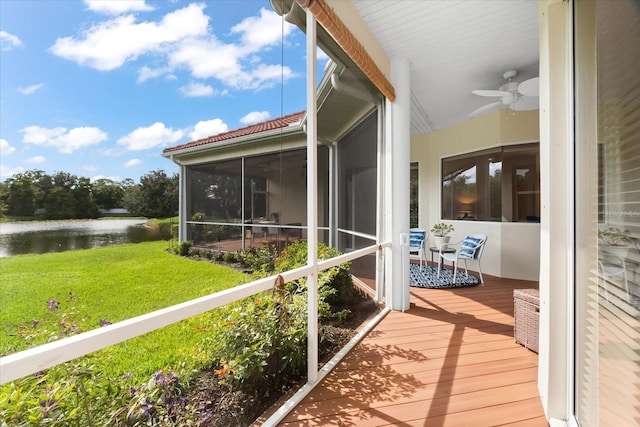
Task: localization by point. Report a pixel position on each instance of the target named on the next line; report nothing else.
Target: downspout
(352, 90)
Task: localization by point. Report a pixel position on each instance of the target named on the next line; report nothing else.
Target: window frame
(476, 205)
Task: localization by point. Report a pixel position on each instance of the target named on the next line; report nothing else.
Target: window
(413, 195)
(500, 184)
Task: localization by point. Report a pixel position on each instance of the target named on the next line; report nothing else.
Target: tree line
(63, 195)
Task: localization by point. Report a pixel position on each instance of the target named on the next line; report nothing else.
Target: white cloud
(112, 178)
(145, 73)
(237, 65)
(153, 136)
(9, 41)
(29, 90)
(9, 171)
(182, 39)
(264, 30)
(110, 44)
(206, 128)
(65, 141)
(193, 90)
(228, 65)
(6, 148)
(133, 162)
(36, 159)
(112, 7)
(255, 117)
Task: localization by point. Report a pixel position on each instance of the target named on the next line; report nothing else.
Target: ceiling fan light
(509, 87)
(508, 99)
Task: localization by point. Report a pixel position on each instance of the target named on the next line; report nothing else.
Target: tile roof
(277, 123)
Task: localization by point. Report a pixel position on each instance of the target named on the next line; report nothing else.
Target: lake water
(37, 237)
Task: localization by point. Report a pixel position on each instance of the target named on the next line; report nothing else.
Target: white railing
(36, 359)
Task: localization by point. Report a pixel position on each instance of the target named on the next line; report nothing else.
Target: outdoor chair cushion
(416, 238)
(468, 247)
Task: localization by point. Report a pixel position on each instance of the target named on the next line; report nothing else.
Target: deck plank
(450, 360)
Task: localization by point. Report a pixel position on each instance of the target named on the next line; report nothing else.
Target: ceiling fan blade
(486, 108)
(530, 87)
(526, 103)
(488, 92)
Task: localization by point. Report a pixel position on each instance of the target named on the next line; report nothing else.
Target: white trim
(312, 201)
(488, 147)
(555, 422)
(357, 234)
(571, 215)
(238, 141)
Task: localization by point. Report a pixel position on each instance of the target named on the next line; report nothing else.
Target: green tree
(156, 195)
(60, 204)
(84, 205)
(21, 200)
(43, 184)
(108, 194)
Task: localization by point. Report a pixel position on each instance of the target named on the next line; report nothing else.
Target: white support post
(397, 153)
(380, 214)
(182, 204)
(312, 203)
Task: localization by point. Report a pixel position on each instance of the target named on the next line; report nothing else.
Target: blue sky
(99, 88)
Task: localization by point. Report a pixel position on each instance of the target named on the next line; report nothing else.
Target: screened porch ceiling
(454, 47)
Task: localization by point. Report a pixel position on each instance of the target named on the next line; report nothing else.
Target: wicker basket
(526, 314)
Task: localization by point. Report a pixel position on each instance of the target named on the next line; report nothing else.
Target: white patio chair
(258, 231)
(273, 232)
(612, 266)
(417, 245)
(471, 248)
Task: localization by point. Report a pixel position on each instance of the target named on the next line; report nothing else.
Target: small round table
(434, 249)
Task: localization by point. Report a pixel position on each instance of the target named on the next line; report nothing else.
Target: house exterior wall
(505, 254)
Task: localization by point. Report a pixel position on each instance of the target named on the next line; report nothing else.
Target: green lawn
(107, 284)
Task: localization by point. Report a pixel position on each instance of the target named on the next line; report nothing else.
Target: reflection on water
(37, 237)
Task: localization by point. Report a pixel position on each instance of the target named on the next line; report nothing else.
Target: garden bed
(224, 405)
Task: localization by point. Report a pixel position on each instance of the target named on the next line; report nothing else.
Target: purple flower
(104, 323)
(148, 408)
(53, 304)
(35, 324)
(46, 406)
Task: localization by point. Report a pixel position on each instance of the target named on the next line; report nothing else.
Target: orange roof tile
(277, 123)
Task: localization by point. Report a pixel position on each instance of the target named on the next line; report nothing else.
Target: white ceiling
(455, 47)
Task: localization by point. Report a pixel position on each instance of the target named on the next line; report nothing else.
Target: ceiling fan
(517, 96)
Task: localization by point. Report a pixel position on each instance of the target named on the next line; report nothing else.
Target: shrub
(257, 340)
(229, 257)
(260, 260)
(79, 396)
(184, 248)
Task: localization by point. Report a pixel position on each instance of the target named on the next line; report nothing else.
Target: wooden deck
(450, 360)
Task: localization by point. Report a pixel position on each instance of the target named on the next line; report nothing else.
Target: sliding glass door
(607, 335)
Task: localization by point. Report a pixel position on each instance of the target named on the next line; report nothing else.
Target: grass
(107, 284)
